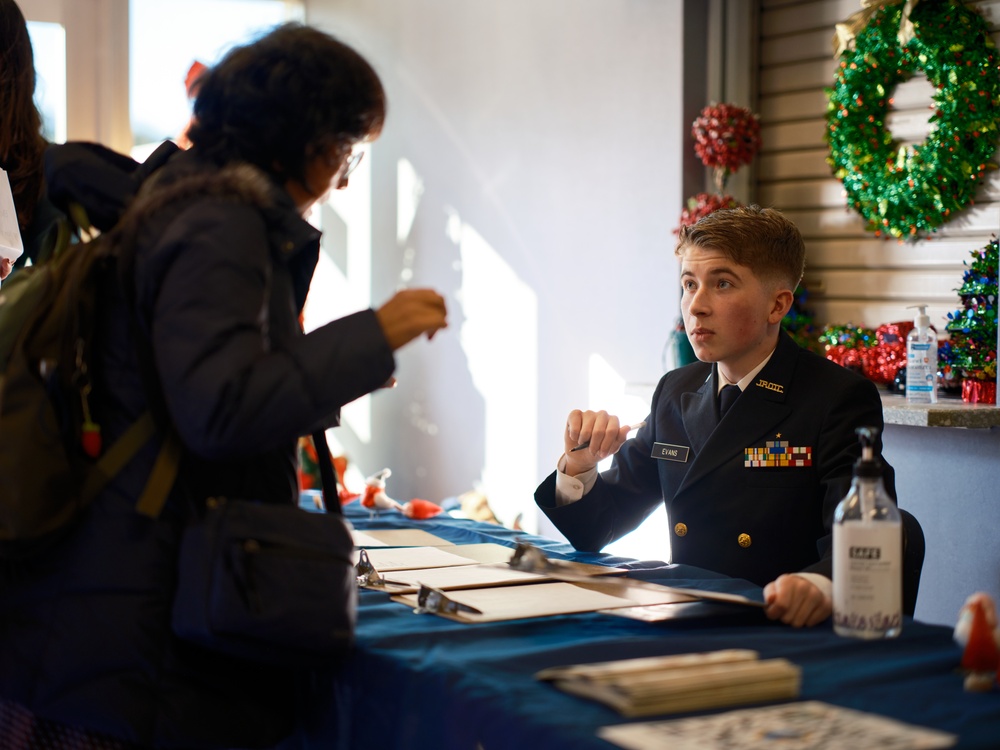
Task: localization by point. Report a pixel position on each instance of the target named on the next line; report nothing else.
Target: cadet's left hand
(6, 264)
(796, 601)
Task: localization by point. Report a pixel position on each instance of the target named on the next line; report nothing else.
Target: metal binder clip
(530, 559)
(434, 601)
(366, 572)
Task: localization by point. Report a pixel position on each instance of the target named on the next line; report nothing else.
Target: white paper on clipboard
(10, 234)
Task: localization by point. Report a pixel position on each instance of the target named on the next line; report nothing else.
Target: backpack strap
(161, 478)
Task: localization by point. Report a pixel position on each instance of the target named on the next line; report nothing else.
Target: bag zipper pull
(90, 431)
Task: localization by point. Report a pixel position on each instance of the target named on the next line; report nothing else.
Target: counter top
(945, 413)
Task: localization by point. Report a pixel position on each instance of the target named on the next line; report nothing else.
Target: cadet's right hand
(6, 264)
(604, 431)
(410, 313)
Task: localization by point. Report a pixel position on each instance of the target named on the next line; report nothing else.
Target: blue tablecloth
(422, 681)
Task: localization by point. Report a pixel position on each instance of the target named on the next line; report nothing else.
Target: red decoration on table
(846, 356)
(375, 498)
(975, 391)
(309, 474)
(421, 509)
(981, 653)
(880, 359)
(978, 634)
(343, 494)
(981, 658)
(889, 353)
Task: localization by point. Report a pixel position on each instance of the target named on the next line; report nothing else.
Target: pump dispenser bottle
(867, 553)
(921, 361)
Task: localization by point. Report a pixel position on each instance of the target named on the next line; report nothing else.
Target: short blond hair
(762, 239)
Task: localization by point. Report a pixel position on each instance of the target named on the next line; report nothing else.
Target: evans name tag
(667, 452)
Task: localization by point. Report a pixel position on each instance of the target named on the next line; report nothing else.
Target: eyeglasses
(346, 166)
(351, 164)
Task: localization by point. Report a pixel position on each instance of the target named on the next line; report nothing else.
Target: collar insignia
(777, 388)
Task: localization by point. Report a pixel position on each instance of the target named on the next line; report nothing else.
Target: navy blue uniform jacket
(728, 510)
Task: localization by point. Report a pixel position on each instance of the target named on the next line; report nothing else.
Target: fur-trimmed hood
(186, 180)
(241, 183)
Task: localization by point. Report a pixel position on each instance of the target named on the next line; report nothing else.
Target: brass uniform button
(681, 529)
(744, 540)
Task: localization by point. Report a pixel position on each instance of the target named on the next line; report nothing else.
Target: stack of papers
(674, 684)
(387, 559)
(517, 602)
(398, 538)
(458, 566)
(485, 583)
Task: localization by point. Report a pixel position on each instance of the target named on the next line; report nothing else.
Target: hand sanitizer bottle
(921, 361)
(867, 553)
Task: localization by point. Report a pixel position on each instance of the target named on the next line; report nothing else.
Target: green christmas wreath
(907, 190)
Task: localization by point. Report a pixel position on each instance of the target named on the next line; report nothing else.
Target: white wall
(546, 139)
(948, 478)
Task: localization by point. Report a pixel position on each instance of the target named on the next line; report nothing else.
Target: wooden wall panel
(810, 74)
(852, 275)
(777, 165)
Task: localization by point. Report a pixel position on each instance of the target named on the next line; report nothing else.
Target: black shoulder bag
(269, 582)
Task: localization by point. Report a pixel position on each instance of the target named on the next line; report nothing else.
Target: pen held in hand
(586, 444)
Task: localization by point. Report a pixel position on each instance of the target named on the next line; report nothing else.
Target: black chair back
(913, 560)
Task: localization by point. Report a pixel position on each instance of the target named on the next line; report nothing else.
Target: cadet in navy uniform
(750, 493)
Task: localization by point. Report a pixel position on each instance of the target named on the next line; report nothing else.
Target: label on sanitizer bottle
(867, 579)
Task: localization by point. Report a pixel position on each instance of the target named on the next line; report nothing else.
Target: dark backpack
(52, 461)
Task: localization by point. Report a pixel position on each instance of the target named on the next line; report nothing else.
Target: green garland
(903, 191)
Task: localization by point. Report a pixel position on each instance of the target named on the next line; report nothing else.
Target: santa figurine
(375, 498)
(421, 510)
(978, 633)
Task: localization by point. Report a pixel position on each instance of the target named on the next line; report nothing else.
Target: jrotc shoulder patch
(777, 452)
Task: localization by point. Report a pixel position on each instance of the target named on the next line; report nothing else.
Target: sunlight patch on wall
(607, 391)
(500, 339)
(409, 190)
(343, 279)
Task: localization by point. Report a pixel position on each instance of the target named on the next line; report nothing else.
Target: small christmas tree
(972, 348)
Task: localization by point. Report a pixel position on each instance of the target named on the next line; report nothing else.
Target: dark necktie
(727, 397)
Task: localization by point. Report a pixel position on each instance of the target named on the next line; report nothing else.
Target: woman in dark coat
(223, 263)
